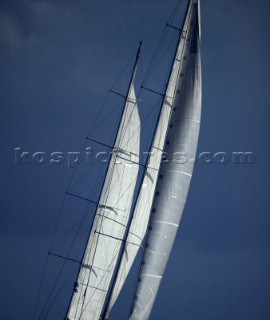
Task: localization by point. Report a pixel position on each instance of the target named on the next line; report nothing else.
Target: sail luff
(143, 206)
(172, 189)
(111, 215)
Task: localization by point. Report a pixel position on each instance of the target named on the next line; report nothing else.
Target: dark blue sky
(58, 60)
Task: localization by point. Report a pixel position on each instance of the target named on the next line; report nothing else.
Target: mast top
(138, 52)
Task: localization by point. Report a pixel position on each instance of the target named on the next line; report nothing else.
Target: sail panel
(171, 190)
(111, 219)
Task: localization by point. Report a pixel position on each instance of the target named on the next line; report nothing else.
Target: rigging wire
(153, 62)
(63, 264)
(92, 129)
(146, 118)
(151, 68)
(113, 155)
(120, 129)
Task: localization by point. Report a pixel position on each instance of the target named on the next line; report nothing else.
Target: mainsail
(183, 96)
(111, 217)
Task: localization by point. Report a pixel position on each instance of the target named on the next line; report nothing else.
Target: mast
(126, 234)
(171, 190)
(129, 125)
(144, 199)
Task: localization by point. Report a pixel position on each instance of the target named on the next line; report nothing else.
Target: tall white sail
(173, 184)
(143, 207)
(111, 219)
(142, 211)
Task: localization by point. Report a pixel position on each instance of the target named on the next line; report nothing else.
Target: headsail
(111, 218)
(172, 188)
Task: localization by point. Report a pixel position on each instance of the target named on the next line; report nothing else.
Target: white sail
(142, 210)
(171, 190)
(144, 203)
(110, 220)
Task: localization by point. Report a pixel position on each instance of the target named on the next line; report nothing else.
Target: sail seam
(151, 275)
(189, 119)
(181, 172)
(167, 222)
(194, 120)
(185, 173)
